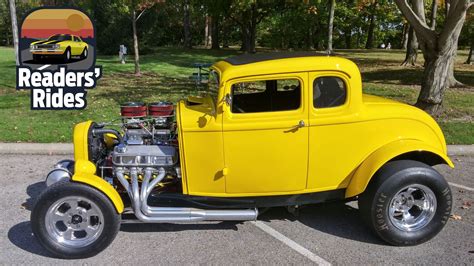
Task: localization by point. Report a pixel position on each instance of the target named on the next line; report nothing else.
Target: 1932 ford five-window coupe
(273, 130)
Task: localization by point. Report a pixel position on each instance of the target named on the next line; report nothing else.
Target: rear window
(329, 92)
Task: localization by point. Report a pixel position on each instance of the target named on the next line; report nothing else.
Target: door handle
(300, 124)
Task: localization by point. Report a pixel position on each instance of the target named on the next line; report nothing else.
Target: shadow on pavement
(33, 192)
(337, 219)
(21, 236)
(168, 227)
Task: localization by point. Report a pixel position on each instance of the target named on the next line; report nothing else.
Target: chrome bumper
(62, 171)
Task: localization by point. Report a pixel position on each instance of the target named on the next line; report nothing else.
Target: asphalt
(332, 232)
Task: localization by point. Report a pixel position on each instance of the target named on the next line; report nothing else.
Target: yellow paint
(85, 170)
(101, 185)
(381, 156)
(76, 47)
(261, 154)
(80, 136)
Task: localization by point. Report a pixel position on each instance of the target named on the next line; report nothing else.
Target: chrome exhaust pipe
(139, 195)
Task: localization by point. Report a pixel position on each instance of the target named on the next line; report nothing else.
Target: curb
(67, 149)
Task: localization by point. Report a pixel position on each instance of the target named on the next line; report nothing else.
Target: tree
(439, 50)
(412, 43)
(248, 14)
(332, 5)
(369, 44)
(186, 25)
(469, 57)
(14, 29)
(138, 7)
(412, 48)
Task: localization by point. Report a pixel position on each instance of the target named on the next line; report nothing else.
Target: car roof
(254, 58)
(280, 63)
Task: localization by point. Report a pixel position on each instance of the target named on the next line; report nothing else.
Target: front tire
(73, 220)
(84, 54)
(67, 55)
(406, 203)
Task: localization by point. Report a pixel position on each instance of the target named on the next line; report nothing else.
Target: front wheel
(67, 55)
(406, 203)
(72, 220)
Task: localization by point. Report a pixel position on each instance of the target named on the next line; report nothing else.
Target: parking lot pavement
(333, 233)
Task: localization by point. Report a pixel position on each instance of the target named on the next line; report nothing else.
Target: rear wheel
(72, 220)
(406, 203)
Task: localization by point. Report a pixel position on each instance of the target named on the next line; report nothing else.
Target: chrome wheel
(412, 208)
(74, 221)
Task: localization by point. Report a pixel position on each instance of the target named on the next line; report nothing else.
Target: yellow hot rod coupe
(273, 130)
(63, 46)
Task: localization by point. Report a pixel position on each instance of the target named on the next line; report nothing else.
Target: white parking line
(43, 67)
(461, 186)
(290, 243)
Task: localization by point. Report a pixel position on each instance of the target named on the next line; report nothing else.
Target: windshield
(59, 38)
(213, 85)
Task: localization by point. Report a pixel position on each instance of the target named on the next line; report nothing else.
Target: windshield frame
(58, 37)
(214, 81)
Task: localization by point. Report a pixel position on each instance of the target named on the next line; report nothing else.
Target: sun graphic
(75, 22)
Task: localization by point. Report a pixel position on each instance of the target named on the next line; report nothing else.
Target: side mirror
(228, 99)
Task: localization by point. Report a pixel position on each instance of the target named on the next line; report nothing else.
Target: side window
(329, 92)
(266, 96)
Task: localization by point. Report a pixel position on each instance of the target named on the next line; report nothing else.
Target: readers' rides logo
(57, 55)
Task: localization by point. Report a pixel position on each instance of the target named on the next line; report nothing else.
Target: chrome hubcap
(412, 208)
(74, 221)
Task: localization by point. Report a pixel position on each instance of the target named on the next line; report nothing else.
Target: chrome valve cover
(144, 156)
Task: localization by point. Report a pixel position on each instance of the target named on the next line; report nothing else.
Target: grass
(165, 77)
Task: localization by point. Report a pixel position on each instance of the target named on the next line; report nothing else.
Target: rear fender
(377, 159)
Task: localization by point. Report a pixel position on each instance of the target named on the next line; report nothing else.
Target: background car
(64, 46)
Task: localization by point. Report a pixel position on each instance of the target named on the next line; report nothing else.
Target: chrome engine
(143, 159)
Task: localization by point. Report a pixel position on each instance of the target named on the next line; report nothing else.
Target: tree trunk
(332, 5)
(412, 49)
(135, 43)
(469, 57)
(434, 84)
(186, 25)
(434, 13)
(243, 47)
(370, 33)
(14, 30)
(207, 35)
(215, 33)
(405, 32)
(251, 40)
(348, 39)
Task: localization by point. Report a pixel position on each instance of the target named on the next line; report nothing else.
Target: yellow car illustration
(60, 45)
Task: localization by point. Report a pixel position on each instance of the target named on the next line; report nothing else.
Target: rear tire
(72, 220)
(406, 203)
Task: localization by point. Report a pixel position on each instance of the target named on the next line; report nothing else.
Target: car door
(334, 137)
(266, 135)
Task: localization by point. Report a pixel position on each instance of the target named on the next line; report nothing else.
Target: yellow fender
(377, 159)
(85, 173)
